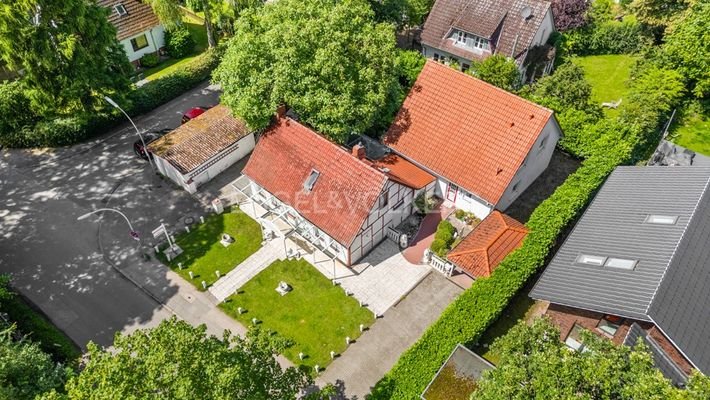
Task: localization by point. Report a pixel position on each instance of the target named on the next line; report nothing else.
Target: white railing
(441, 265)
(393, 234)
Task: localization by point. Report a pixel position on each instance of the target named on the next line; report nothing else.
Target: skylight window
(591, 260)
(120, 10)
(661, 219)
(311, 180)
(620, 263)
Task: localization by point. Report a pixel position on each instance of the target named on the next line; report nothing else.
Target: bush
(443, 238)
(497, 70)
(150, 60)
(194, 5)
(439, 247)
(609, 37)
(179, 42)
(410, 64)
(15, 112)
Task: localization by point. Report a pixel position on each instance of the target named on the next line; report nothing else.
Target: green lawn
(40, 330)
(520, 307)
(608, 75)
(691, 129)
(203, 254)
(197, 30)
(316, 316)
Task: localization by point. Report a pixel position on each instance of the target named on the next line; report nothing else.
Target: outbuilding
(199, 150)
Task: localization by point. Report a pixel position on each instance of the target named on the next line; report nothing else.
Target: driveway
(57, 262)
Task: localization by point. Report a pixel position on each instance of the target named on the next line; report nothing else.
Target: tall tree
(534, 364)
(658, 13)
(569, 14)
(67, 50)
(327, 59)
(178, 361)
(211, 36)
(167, 11)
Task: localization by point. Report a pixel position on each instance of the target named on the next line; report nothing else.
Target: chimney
(281, 111)
(359, 151)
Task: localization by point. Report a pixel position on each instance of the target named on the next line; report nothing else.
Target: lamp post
(133, 233)
(145, 148)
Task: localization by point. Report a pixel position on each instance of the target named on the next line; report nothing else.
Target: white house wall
(169, 171)
(156, 40)
(544, 30)
(374, 229)
(244, 146)
(535, 163)
(465, 200)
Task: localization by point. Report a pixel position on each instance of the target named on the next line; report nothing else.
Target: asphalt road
(55, 260)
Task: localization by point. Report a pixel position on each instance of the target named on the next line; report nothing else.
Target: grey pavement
(366, 361)
(56, 261)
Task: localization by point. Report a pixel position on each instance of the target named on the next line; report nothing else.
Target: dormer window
(460, 37)
(464, 39)
(120, 10)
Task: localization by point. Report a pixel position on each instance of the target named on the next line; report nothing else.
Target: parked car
(149, 137)
(194, 112)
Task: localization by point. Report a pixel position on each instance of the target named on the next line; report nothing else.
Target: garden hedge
(70, 130)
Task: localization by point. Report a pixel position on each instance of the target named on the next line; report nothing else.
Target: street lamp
(133, 233)
(145, 149)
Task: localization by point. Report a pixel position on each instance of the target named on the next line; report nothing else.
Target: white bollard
(172, 238)
(187, 229)
(317, 368)
(157, 250)
(254, 321)
(202, 219)
(332, 355)
(300, 356)
(204, 285)
(240, 310)
(217, 273)
(347, 340)
(359, 302)
(179, 265)
(191, 275)
(362, 328)
(168, 256)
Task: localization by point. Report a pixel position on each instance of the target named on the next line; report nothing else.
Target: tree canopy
(67, 50)
(178, 361)
(569, 14)
(167, 11)
(658, 13)
(327, 59)
(497, 70)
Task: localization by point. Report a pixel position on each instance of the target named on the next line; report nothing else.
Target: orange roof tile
(139, 17)
(200, 139)
(483, 249)
(402, 171)
(344, 192)
(465, 130)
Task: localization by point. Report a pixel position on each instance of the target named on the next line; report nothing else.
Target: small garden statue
(226, 240)
(283, 288)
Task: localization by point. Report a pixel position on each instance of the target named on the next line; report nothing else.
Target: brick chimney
(281, 111)
(359, 151)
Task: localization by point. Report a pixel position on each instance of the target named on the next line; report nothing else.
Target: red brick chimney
(359, 151)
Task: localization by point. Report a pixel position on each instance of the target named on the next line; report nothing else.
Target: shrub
(443, 238)
(608, 37)
(497, 70)
(410, 64)
(179, 42)
(150, 60)
(194, 5)
(439, 247)
(15, 112)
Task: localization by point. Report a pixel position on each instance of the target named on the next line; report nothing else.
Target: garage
(199, 150)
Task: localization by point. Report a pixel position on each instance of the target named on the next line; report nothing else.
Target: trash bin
(217, 205)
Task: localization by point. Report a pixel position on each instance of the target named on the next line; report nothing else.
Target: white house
(484, 144)
(198, 150)
(138, 29)
(338, 200)
(472, 30)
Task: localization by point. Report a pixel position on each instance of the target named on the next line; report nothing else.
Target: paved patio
(425, 236)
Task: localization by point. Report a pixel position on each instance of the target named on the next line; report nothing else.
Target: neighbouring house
(338, 200)
(138, 28)
(636, 265)
(198, 150)
(458, 377)
(484, 145)
(466, 31)
(480, 252)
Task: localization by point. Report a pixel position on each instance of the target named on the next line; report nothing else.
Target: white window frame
(120, 9)
(461, 37)
(607, 327)
(588, 259)
(658, 219)
(572, 342)
(621, 263)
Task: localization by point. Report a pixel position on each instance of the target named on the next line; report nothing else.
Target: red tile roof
(483, 249)
(344, 193)
(139, 17)
(200, 139)
(465, 130)
(402, 171)
(497, 20)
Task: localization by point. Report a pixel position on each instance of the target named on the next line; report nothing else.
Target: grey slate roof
(670, 285)
(662, 360)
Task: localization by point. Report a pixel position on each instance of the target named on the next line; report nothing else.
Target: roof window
(311, 180)
(120, 10)
(620, 263)
(591, 260)
(661, 219)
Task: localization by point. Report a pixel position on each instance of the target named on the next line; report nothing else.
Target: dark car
(149, 137)
(194, 112)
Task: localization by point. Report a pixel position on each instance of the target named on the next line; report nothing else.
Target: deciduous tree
(168, 12)
(569, 14)
(497, 70)
(68, 53)
(327, 59)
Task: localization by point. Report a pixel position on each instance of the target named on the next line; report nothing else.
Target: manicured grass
(316, 316)
(197, 30)
(203, 254)
(691, 129)
(520, 307)
(608, 75)
(40, 330)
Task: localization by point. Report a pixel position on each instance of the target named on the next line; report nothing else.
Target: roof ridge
(677, 245)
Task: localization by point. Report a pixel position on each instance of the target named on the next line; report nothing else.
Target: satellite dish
(526, 12)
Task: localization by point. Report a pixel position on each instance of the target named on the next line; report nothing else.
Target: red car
(193, 113)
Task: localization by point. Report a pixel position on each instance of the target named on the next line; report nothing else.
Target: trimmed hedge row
(465, 320)
(608, 37)
(70, 130)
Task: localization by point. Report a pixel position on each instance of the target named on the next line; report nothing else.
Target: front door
(451, 192)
